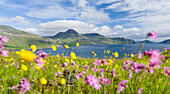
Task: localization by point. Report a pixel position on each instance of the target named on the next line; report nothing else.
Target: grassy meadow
(24, 72)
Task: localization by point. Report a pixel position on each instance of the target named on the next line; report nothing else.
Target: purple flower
(42, 54)
(138, 67)
(4, 53)
(80, 75)
(130, 74)
(64, 64)
(139, 90)
(97, 62)
(73, 63)
(94, 69)
(162, 57)
(3, 39)
(105, 80)
(104, 61)
(140, 55)
(113, 72)
(151, 70)
(167, 71)
(122, 85)
(24, 86)
(153, 34)
(39, 61)
(86, 67)
(57, 74)
(93, 81)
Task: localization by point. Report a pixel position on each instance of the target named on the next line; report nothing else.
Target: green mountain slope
(71, 37)
(19, 39)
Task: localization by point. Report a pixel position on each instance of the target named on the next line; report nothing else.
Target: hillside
(19, 39)
(166, 41)
(71, 37)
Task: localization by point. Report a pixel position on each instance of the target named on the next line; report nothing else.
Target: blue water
(86, 51)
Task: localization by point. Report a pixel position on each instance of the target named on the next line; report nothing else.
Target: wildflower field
(25, 72)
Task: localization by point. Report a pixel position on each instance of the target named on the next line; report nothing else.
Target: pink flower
(42, 54)
(140, 55)
(105, 80)
(153, 34)
(122, 85)
(80, 75)
(139, 90)
(73, 63)
(113, 72)
(104, 61)
(3, 39)
(167, 71)
(58, 74)
(162, 57)
(4, 53)
(138, 67)
(64, 64)
(94, 69)
(151, 70)
(24, 86)
(93, 81)
(130, 74)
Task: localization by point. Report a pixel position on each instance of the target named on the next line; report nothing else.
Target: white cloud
(52, 28)
(50, 12)
(100, 2)
(118, 27)
(31, 30)
(2, 20)
(91, 15)
(114, 5)
(18, 19)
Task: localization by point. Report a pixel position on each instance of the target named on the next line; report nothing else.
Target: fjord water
(86, 51)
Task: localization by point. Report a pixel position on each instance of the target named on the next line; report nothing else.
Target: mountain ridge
(71, 37)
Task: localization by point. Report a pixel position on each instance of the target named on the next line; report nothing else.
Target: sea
(122, 49)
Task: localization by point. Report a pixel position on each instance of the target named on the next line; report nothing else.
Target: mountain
(147, 41)
(166, 41)
(20, 39)
(71, 37)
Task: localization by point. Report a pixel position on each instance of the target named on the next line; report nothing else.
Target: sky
(112, 18)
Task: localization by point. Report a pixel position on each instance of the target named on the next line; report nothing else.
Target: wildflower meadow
(27, 72)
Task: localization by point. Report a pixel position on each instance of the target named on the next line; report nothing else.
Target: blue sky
(113, 18)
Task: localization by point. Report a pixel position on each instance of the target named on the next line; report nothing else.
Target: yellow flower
(33, 47)
(57, 55)
(108, 51)
(53, 48)
(101, 64)
(116, 54)
(95, 54)
(132, 55)
(66, 46)
(27, 56)
(63, 81)
(77, 44)
(17, 52)
(55, 66)
(43, 81)
(67, 60)
(125, 54)
(24, 67)
(37, 67)
(116, 66)
(62, 54)
(73, 55)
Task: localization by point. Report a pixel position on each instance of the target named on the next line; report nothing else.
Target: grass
(10, 75)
